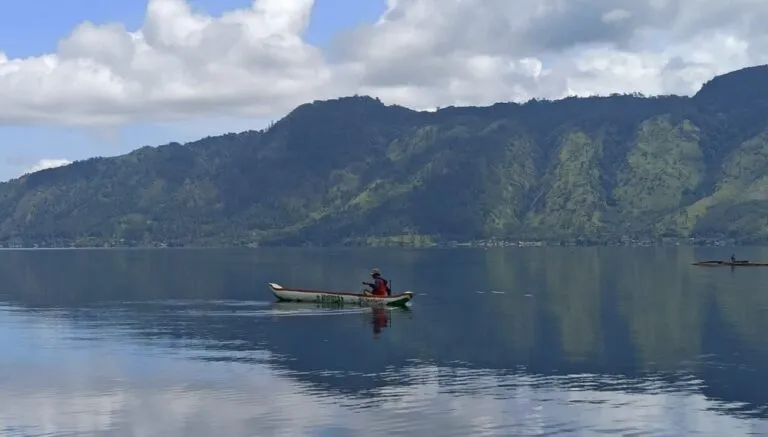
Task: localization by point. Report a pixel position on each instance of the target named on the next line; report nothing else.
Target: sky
(87, 78)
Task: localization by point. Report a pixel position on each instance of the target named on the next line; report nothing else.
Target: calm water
(518, 342)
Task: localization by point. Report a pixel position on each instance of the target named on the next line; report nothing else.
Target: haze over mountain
(355, 171)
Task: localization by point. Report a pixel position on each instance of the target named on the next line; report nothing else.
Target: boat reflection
(379, 320)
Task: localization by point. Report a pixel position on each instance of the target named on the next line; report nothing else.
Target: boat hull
(339, 298)
(729, 264)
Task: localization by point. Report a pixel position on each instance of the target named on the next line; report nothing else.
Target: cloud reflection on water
(73, 381)
(179, 343)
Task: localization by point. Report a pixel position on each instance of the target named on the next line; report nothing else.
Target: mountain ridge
(353, 170)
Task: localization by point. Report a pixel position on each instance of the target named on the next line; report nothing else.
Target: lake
(513, 342)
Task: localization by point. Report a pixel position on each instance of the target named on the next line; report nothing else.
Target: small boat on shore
(737, 263)
(339, 298)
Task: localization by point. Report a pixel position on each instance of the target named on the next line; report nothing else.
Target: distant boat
(737, 263)
(339, 298)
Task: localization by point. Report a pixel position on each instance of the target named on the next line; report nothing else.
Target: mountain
(356, 171)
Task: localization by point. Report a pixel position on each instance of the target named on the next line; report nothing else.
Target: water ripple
(613, 357)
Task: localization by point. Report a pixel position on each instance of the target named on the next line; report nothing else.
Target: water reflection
(499, 342)
(380, 319)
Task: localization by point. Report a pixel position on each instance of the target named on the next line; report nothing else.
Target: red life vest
(381, 290)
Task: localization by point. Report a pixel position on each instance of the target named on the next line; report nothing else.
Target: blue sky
(206, 73)
(25, 32)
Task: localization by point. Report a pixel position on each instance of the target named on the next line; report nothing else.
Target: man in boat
(379, 286)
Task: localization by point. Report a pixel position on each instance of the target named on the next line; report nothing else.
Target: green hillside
(355, 171)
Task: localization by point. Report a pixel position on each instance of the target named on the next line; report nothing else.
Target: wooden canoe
(729, 264)
(339, 298)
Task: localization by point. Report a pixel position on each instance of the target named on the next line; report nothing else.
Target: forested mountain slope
(355, 171)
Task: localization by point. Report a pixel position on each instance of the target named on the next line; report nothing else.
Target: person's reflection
(380, 319)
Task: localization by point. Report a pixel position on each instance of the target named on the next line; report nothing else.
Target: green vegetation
(353, 171)
(574, 201)
(665, 164)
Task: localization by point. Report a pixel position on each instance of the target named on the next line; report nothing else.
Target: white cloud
(254, 62)
(47, 163)
(179, 63)
(616, 15)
